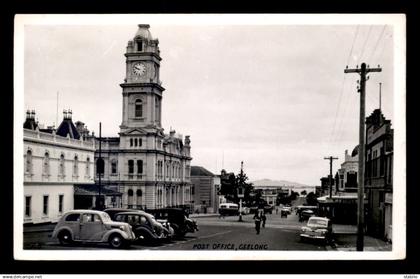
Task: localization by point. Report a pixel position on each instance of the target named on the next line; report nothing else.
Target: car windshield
(105, 217)
(317, 223)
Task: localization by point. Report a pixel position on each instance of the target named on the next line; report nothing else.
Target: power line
(342, 86)
(352, 45)
(377, 42)
(364, 45)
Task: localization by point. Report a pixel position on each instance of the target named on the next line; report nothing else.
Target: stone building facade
(150, 168)
(55, 161)
(379, 174)
(346, 177)
(205, 192)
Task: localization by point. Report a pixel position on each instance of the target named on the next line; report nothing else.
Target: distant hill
(269, 182)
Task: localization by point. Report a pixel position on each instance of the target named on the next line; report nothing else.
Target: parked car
(178, 219)
(92, 226)
(305, 215)
(319, 228)
(145, 226)
(114, 210)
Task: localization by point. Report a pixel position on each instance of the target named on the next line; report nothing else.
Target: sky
(274, 96)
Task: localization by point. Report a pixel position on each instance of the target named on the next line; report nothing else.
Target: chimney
(64, 114)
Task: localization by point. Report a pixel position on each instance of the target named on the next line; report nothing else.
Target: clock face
(139, 69)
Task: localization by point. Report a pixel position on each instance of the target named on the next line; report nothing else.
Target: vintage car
(177, 218)
(319, 228)
(305, 215)
(228, 209)
(114, 210)
(145, 226)
(92, 226)
(285, 211)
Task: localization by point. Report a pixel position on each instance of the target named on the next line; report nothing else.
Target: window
(135, 142)
(76, 166)
(114, 167)
(28, 168)
(138, 111)
(381, 162)
(46, 165)
(139, 166)
(28, 206)
(87, 170)
(130, 166)
(73, 218)
(61, 167)
(140, 142)
(139, 45)
(131, 142)
(157, 109)
(60, 203)
(45, 205)
(130, 198)
(192, 190)
(139, 193)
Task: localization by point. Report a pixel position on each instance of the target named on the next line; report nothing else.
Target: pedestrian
(263, 218)
(257, 219)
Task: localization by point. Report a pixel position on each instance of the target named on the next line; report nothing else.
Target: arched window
(76, 166)
(87, 170)
(46, 164)
(130, 194)
(28, 168)
(139, 193)
(61, 166)
(138, 108)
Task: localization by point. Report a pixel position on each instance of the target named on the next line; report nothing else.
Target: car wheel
(116, 241)
(65, 238)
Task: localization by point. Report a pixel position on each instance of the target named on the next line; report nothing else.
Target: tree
(303, 193)
(311, 199)
(229, 184)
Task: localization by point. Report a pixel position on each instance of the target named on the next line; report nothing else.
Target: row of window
(176, 168)
(134, 142)
(45, 205)
(61, 166)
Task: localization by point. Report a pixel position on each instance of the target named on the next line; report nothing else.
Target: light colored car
(92, 226)
(317, 228)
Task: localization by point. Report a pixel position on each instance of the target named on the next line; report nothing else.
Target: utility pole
(331, 158)
(361, 177)
(241, 191)
(380, 89)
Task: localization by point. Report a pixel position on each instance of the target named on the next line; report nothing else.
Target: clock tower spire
(142, 90)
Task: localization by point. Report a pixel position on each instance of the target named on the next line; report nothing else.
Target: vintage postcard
(209, 137)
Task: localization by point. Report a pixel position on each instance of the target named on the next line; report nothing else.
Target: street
(214, 234)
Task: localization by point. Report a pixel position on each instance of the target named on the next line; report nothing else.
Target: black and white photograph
(209, 137)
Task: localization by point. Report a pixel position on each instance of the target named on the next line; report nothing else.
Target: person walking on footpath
(263, 218)
(257, 219)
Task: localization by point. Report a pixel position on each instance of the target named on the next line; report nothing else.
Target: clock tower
(142, 90)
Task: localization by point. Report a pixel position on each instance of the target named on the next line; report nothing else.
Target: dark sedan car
(144, 225)
(177, 218)
(112, 211)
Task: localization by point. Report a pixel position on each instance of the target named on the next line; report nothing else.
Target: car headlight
(321, 231)
(305, 229)
(122, 228)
